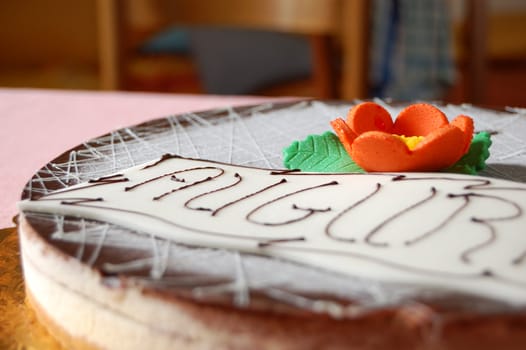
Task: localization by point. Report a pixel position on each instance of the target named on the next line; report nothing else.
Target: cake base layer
(83, 313)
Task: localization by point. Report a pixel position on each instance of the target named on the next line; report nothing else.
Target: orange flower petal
(465, 124)
(345, 134)
(440, 149)
(375, 150)
(369, 116)
(419, 120)
(380, 151)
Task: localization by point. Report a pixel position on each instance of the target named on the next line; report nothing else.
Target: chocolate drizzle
(348, 209)
(77, 201)
(110, 179)
(275, 196)
(165, 194)
(280, 182)
(187, 203)
(478, 183)
(309, 211)
(437, 228)
(268, 243)
(105, 180)
(220, 172)
(284, 171)
(519, 259)
(487, 221)
(374, 231)
(164, 157)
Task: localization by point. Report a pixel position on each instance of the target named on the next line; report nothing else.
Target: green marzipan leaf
(325, 154)
(319, 153)
(475, 159)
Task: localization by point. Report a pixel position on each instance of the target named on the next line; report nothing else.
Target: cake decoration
(378, 260)
(420, 139)
(455, 232)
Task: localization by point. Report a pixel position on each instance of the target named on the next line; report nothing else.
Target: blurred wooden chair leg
(322, 67)
(477, 30)
(355, 49)
(110, 29)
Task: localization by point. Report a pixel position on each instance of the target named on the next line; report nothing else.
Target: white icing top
(435, 231)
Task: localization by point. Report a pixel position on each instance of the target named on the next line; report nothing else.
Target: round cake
(187, 232)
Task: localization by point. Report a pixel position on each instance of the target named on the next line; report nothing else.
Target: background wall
(53, 44)
(48, 43)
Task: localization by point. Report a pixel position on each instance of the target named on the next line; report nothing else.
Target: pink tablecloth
(38, 125)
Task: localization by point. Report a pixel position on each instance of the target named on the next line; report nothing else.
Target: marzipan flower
(420, 139)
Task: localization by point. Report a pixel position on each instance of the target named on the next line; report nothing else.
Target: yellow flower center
(410, 141)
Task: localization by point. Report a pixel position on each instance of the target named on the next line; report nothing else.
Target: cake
(227, 250)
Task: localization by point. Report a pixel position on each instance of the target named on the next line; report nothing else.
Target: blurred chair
(122, 24)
